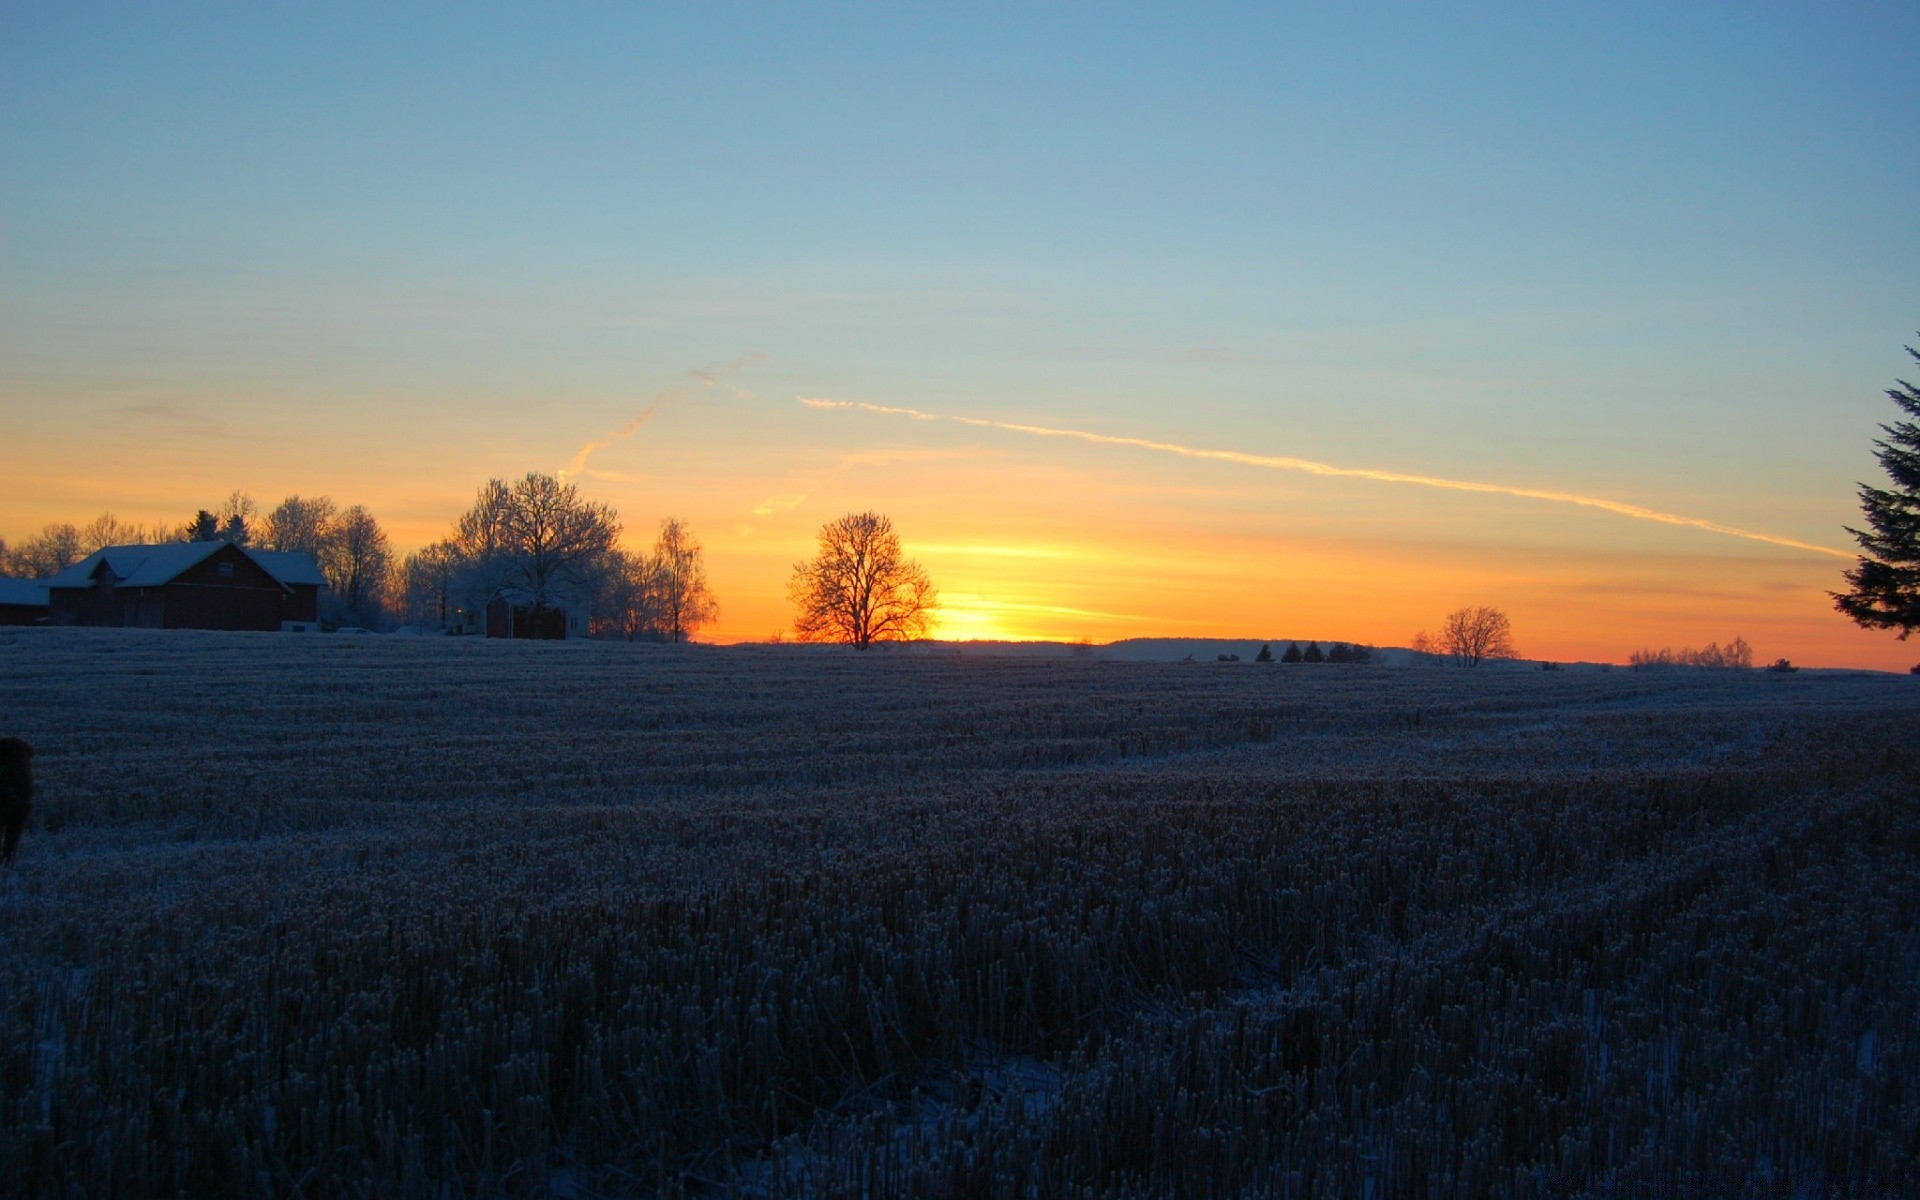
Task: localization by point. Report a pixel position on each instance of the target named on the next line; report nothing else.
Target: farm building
(512, 614)
(189, 585)
(23, 602)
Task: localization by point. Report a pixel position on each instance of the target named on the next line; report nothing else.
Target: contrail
(579, 462)
(702, 377)
(1282, 463)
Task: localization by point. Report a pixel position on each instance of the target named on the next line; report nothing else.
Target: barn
(189, 585)
(23, 602)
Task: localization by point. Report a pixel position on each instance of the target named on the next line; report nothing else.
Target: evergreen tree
(1265, 655)
(1314, 653)
(205, 527)
(1292, 654)
(1884, 587)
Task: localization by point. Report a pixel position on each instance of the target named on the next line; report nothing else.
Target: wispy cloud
(768, 507)
(578, 464)
(1308, 466)
(700, 379)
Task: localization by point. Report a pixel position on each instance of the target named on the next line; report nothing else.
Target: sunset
(1660, 261)
(1088, 600)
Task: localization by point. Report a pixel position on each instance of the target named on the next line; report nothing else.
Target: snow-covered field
(335, 915)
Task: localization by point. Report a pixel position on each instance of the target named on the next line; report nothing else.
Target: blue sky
(1665, 254)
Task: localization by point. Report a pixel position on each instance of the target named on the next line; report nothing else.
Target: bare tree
(108, 530)
(301, 523)
(858, 589)
(362, 562)
(1476, 634)
(481, 533)
(685, 601)
(426, 583)
(627, 603)
(537, 533)
(237, 514)
(47, 553)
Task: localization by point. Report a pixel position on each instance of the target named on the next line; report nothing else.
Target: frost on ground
(365, 916)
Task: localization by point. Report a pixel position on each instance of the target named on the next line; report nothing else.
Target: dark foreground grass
(359, 916)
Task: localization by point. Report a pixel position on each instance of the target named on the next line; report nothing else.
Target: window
(226, 570)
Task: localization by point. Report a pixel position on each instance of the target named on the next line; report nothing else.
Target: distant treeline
(1337, 652)
(536, 538)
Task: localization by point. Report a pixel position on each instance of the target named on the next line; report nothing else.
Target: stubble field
(359, 916)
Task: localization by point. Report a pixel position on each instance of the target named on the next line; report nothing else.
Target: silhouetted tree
(1884, 585)
(686, 603)
(1265, 655)
(626, 603)
(538, 534)
(1293, 653)
(108, 530)
(858, 589)
(1313, 653)
(361, 567)
(1475, 635)
(236, 516)
(49, 552)
(301, 523)
(205, 527)
(426, 584)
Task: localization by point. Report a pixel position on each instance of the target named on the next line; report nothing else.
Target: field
(361, 916)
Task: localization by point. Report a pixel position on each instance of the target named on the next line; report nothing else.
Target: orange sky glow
(1050, 537)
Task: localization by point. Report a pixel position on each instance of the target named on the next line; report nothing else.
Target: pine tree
(1314, 653)
(1884, 588)
(1265, 655)
(1292, 654)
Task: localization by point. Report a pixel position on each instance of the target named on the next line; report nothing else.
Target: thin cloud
(703, 378)
(767, 508)
(578, 465)
(1284, 463)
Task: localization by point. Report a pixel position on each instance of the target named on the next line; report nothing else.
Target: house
(189, 585)
(23, 602)
(511, 614)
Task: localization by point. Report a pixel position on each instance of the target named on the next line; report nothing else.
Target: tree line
(536, 536)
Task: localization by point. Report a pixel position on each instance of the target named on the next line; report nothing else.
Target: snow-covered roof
(557, 597)
(289, 566)
(23, 591)
(137, 566)
(152, 566)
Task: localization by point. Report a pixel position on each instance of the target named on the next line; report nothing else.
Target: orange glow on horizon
(1033, 538)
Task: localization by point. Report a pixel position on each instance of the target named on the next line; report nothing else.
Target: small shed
(511, 613)
(189, 585)
(23, 602)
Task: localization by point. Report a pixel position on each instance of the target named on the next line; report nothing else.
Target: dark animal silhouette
(16, 792)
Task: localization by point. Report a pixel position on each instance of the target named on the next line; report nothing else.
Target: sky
(999, 272)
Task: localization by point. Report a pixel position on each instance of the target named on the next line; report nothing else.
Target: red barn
(189, 585)
(23, 602)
